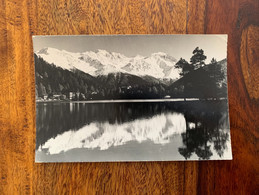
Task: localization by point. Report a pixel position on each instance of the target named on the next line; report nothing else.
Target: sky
(132, 45)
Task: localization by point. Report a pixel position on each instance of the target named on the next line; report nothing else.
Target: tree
(185, 69)
(45, 75)
(92, 88)
(41, 90)
(61, 87)
(217, 75)
(215, 72)
(212, 68)
(48, 89)
(154, 89)
(198, 58)
(184, 66)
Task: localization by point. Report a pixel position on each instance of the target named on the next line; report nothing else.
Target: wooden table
(20, 19)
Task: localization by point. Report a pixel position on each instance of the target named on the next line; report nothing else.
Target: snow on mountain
(101, 62)
(158, 65)
(64, 59)
(104, 62)
(159, 129)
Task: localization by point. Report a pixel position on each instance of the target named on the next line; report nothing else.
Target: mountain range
(101, 62)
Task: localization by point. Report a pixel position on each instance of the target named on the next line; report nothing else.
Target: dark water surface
(132, 131)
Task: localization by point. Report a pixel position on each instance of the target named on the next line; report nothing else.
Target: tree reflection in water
(204, 130)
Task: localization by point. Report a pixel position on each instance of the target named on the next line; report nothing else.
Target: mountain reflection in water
(159, 129)
(170, 130)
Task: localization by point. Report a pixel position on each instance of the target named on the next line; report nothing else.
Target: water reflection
(203, 133)
(199, 130)
(158, 129)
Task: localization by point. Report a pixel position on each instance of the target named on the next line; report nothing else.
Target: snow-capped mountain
(101, 62)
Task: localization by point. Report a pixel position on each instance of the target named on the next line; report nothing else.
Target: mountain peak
(159, 54)
(138, 57)
(101, 51)
(164, 56)
(43, 51)
(47, 50)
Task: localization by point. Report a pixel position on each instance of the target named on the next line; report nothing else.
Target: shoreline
(131, 100)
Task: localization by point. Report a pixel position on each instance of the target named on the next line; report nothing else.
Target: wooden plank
(4, 96)
(196, 11)
(17, 114)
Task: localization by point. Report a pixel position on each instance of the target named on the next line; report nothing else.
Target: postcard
(102, 98)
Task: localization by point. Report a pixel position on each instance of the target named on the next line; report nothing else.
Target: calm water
(133, 131)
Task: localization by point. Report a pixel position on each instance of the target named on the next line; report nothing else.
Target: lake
(132, 131)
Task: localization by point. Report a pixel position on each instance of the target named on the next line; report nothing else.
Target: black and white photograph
(102, 98)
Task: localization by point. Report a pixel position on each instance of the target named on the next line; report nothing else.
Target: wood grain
(20, 19)
(248, 56)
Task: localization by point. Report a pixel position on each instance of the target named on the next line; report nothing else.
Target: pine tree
(217, 75)
(198, 58)
(184, 66)
(216, 72)
(41, 90)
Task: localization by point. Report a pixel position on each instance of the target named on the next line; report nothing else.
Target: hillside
(205, 82)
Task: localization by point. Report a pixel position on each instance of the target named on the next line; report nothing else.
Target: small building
(71, 95)
(56, 97)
